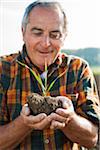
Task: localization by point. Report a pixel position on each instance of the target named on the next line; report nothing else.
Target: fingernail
(26, 105)
(27, 111)
(63, 124)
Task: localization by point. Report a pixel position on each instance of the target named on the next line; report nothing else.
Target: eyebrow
(55, 31)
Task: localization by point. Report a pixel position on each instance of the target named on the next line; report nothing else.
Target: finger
(42, 124)
(66, 104)
(37, 118)
(25, 110)
(63, 112)
(57, 117)
(57, 125)
(65, 101)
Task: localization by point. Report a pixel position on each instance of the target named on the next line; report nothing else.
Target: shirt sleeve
(3, 101)
(88, 104)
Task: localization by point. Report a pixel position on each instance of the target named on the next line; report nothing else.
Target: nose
(45, 41)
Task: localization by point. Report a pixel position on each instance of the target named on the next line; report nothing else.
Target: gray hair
(43, 3)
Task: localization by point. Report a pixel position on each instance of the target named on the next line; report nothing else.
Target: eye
(55, 35)
(37, 32)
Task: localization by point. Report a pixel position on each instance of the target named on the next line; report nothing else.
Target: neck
(42, 68)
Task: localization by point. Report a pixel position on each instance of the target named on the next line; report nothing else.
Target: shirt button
(46, 141)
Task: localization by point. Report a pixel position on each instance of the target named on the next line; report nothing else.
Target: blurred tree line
(92, 56)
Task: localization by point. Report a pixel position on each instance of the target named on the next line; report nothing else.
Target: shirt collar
(59, 61)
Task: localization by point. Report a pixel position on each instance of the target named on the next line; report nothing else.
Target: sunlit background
(83, 24)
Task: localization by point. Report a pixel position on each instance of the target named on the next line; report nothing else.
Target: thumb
(25, 110)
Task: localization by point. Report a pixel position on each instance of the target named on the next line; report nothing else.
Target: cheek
(28, 39)
(57, 48)
(57, 45)
(30, 44)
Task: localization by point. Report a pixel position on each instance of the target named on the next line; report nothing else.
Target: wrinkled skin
(56, 120)
(44, 35)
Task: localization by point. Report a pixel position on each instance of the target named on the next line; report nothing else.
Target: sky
(83, 24)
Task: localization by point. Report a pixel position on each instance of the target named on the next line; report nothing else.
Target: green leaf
(53, 82)
(38, 78)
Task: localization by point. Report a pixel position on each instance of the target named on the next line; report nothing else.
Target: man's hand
(38, 122)
(74, 127)
(62, 115)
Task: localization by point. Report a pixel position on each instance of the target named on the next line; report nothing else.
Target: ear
(23, 32)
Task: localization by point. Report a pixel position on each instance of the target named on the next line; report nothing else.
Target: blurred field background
(92, 56)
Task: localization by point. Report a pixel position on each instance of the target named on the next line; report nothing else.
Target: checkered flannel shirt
(17, 82)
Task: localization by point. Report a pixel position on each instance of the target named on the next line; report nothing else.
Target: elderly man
(70, 127)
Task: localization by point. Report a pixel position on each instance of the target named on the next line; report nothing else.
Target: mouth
(45, 52)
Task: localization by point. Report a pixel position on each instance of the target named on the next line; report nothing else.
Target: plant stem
(45, 88)
(45, 76)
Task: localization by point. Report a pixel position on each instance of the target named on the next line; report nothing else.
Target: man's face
(44, 35)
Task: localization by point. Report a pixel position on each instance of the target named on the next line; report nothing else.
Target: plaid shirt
(17, 82)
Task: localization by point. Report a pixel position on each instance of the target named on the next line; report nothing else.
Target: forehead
(46, 16)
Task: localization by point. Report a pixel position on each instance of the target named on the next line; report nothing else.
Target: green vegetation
(96, 70)
(45, 87)
(91, 55)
